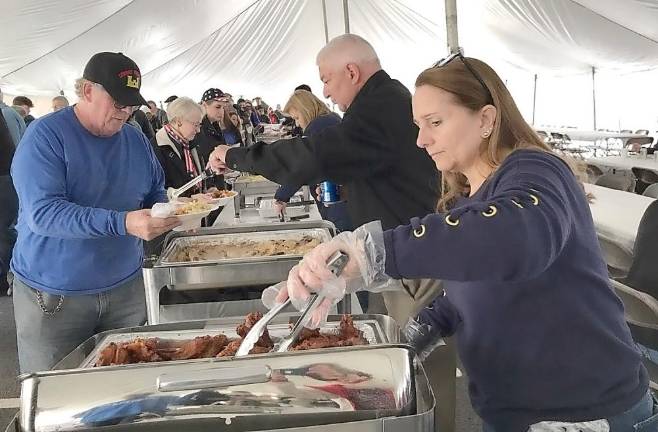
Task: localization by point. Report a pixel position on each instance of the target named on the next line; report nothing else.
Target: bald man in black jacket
(373, 152)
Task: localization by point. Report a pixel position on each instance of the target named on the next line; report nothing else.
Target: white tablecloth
(626, 163)
(617, 214)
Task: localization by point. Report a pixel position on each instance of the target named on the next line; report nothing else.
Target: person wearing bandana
(214, 101)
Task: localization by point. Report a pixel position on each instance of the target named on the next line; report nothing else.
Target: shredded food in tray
(218, 249)
(152, 350)
(192, 207)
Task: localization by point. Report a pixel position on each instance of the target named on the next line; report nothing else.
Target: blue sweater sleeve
(442, 316)
(15, 124)
(514, 235)
(39, 175)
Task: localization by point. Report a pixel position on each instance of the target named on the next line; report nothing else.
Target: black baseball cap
(119, 75)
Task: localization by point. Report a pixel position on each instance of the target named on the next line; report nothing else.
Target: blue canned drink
(329, 193)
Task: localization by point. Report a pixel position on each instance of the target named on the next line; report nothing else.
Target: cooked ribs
(243, 329)
(348, 335)
(154, 350)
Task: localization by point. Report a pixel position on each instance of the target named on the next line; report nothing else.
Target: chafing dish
(377, 330)
(166, 272)
(252, 186)
(371, 388)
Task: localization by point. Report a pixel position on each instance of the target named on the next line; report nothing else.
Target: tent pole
(534, 100)
(346, 14)
(594, 96)
(451, 26)
(324, 17)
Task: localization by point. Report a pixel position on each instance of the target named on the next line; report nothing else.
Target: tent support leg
(534, 100)
(594, 97)
(346, 14)
(324, 19)
(451, 26)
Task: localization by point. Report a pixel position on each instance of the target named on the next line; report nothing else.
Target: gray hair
(79, 84)
(348, 48)
(182, 107)
(61, 99)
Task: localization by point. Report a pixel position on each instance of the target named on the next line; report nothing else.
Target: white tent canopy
(267, 47)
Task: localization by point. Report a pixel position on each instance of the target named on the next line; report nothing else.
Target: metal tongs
(336, 264)
(204, 175)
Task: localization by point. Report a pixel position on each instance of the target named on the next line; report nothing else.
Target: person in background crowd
(231, 129)
(313, 117)
(304, 87)
(210, 136)
(139, 120)
(9, 207)
(372, 152)
(170, 99)
(278, 112)
(262, 116)
(78, 257)
(20, 110)
(180, 160)
(60, 102)
(540, 332)
(14, 121)
(158, 116)
(254, 118)
(271, 116)
(247, 129)
(237, 122)
(27, 104)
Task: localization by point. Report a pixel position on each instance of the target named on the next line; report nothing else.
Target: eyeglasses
(477, 76)
(132, 108)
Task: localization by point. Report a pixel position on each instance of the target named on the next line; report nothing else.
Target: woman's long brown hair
(510, 131)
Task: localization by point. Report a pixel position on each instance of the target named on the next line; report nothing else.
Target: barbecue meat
(216, 345)
(243, 329)
(107, 355)
(234, 345)
(142, 350)
(192, 349)
(348, 335)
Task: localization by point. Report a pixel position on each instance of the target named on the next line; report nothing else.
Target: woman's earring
(486, 134)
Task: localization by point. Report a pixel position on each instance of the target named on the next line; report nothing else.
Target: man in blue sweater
(85, 183)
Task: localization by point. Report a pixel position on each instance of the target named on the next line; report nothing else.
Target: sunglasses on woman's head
(477, 76)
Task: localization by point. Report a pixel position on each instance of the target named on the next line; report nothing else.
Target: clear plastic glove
(422, 337)
(364, 270)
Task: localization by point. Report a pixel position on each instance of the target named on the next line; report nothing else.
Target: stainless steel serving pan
(279, 391)
(227, 273)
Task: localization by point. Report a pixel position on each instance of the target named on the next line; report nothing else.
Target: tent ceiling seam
(615, 22)
(69, 40)
(211, 34)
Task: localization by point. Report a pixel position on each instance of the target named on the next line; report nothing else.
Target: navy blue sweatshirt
(540, 332)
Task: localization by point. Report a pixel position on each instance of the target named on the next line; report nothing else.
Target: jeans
(642, 417)
(648, 353)
(44, 338)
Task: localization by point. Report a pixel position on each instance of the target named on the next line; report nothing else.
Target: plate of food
(214, 196)
(191, 213)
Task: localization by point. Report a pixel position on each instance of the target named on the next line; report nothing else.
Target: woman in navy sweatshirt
(540, 333)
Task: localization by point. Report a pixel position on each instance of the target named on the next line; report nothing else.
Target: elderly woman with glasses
(541, 334)
(172, 144)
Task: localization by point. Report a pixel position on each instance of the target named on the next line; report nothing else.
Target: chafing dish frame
(217, 275)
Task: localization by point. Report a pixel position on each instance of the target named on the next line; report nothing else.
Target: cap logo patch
(132, 78)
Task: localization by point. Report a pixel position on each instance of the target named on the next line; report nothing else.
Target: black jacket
(205, 142)
(173, 164)
(144, 124)
(372, 153)
(6, 147)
